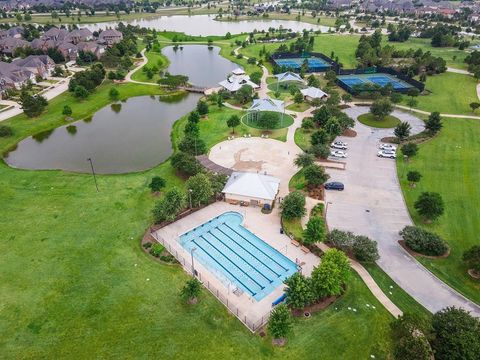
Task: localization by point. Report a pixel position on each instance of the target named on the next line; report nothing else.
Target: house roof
(235, 82)
(313, 92)
(267, 104)
(34, 61)
(10, 72)
(252, 185)
(238, 71)
(288, 76)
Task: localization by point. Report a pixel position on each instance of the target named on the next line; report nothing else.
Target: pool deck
(266, 227)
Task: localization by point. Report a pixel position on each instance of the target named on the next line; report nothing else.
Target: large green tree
(429, 205)
(293, 206)
(280, 323)
(315, 230)
(167, 208)
(298, 291)
(199, 188)
(434, 123)
(381, 108)
(315, 175)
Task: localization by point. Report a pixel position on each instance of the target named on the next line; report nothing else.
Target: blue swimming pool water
(237, 256)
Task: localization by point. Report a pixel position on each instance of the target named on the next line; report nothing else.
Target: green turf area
(388, 121)
(302, 138)
(303, 106)
(154, 59)
(283, 120)
(450, 166)
(297, 182)
(450, 94)
(293, 228)
(395, 293)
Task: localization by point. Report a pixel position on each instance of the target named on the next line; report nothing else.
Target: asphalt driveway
(372, 205)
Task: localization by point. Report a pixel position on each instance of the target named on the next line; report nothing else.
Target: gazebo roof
(288, 76)
(313, 92)
(267, 104)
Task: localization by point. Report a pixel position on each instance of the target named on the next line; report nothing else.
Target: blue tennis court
(314, 64)
(237, 256)
(379, 79)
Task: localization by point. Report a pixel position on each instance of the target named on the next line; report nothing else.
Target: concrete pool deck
(267, 228)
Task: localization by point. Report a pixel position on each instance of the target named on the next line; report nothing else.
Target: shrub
(67, 110)
(317, 210)
(365, 249)
(156, 250)
(167, 208)
(315, 231)
(147, 245)
(157, 183)
(341, 239)
(191, 290)
(409, 149)
(186, 163)
(280, 322)
(409, 338)
(5, 131)
(293, 206)
(472, 258)
(423, 241)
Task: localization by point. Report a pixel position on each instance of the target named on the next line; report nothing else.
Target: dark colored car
(335, 185)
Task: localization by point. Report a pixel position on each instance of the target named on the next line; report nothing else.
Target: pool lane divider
(228, 247)
(233, 263)
(263, 252)
(224, 268)
(240, 245)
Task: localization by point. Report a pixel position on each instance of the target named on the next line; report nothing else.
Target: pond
(203, 66)
(203, 25)
(130, 136)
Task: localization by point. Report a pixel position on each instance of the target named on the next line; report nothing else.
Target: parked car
(387, 154)
(388, 147)
(339, 145)
(338, 153)
(334, 185)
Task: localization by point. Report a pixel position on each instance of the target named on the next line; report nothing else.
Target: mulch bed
(317, 193)
(415, 254)
(312, 309)
(148, 238)
(389, 140)
(349, 133)
(474, 274)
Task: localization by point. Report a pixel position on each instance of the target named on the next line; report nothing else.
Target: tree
(202, 107)
(402, 131)
(315, 175)
(413, 177)
(113, 94)
(320, 150)
(457, 335)
(346, 98)
(304, 159)
(329, 277)
(409, 149)
(365, 249)
(280, 324)
(268, 120)
(157, 184)
(32, 105)
(185, 163)
(429, 205)
(474, 106)
(167, 208)
(191, 290)
(412, 102)
(472, 258)
(67, 110)
(396, 97)
(256, 77)
(298, 291)
(232, 122)
(200, 189)
(315, 231)
(341, 239)
(80, 92)
(5, 131)
(409, 338)
(293, 206)
(381, 108)
(298, 98)
(244, 94)
(320, 137)
(434, 123)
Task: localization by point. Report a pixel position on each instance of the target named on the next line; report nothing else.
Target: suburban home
(68, 50)
(13, 76)
(41, 65)
(313, 93)
(55, 34)
(14, 32)
(251, 188)
(10, 44)
(92, 47)
(42, 44)
(79, 35)
(110, 37)
(235, 81)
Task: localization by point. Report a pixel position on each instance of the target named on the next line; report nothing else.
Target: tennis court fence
(172, 246)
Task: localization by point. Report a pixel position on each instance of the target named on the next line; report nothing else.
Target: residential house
(110, 37)
(13, 76)
(92, 47)
(55, 34)
(42, 44)
(10, 44)
(79, 35)
(41, 65)
(68, 50)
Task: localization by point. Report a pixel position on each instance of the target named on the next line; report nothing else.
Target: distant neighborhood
(15, 74)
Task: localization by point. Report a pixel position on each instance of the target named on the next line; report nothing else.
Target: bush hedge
(423, 241)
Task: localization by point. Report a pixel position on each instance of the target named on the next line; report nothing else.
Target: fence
(171, 246)
(288, 55)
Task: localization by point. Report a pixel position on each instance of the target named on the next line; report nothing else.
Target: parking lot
(372, 205)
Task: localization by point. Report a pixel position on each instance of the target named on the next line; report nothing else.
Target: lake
(203, 25)
(130, 136)
(203, 66)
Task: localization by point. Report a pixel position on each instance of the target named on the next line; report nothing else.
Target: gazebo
(265, 104)
(288, 77)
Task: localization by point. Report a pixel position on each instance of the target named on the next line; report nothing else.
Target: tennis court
(379, 79)
(314, 64)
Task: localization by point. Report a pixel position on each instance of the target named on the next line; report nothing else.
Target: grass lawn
(388, 121)
(303, 106)
(154, 59)
(293, 228)
(450, 94)
(450, 166)
(302, 138)
(297, 182)
(72, 272)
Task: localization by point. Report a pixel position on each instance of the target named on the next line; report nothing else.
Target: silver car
(387, 154)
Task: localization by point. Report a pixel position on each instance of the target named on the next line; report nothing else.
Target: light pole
(326, 208)
(193, 265)
(190, 197)
(93, 173)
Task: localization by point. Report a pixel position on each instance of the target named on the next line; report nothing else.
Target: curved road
(373, 205)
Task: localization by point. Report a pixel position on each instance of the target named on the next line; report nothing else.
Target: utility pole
(93, 173)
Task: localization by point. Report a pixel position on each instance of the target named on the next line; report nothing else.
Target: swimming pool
(237, 256)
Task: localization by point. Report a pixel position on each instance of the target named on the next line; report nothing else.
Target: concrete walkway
(141, 64)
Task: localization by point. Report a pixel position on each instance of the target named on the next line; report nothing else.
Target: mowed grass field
(450, 166)
(451, 93)
(75, 283)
